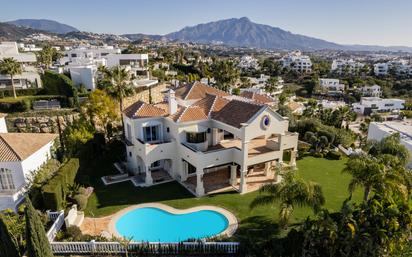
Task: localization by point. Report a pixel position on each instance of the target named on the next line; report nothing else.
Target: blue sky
(379, 22)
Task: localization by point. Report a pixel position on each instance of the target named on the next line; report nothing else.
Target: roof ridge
(190, 90)
(181, 114)
(212, 106)
(11, 148)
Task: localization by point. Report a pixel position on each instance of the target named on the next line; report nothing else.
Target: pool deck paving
(106, 226)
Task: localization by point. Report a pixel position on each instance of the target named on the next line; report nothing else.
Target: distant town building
(368, 105)
(399, 67)
(378, 131)
(331, 86)
(326, 104)
(297, 62)
(374, 91)
(248, 62)
(346, 65)
(29, 78)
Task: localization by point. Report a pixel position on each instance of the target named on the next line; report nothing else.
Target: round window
(265, 121)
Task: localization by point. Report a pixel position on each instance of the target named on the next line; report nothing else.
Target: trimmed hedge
(54, 192)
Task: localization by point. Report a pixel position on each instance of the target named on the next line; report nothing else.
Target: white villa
(378, 130)
(331, 86)
(349, 65)
(399, 67)
(374, 91)
(29, 78)
(259, 85)
(83, 62)
(297, 62)
(248, 62)
(207, 140)
(368, 105)
(21, 154)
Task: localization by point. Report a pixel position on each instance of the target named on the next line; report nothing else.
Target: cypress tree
(7, 244)
(36, 240)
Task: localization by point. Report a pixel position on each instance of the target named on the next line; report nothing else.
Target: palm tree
(225, 74)
(11, 67)
(375, 174)
(117, 83)
(291, 192)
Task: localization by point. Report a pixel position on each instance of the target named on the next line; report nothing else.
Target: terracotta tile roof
(143, 110)
(259, 98)
(197, 90)
(19, 146)
(293, 106)
(192, 113)
(236, 112)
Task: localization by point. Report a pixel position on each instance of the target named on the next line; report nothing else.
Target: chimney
(171, 100)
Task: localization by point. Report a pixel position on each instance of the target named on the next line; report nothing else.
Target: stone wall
(39, 124)
(157, 95)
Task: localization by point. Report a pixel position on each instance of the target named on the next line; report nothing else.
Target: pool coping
(231, 218)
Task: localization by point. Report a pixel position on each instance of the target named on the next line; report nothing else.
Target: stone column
(149, 179)
(200, 190)
(292, 162)
(243, 171)
(243, 185)
(185, 171)
(267, 169)
(233, 179)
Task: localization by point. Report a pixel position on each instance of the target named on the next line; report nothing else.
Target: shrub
(333, 155)
(81, 201)
(318, 155)
(54, 192)
(74, 233)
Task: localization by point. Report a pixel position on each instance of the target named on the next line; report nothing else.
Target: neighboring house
(29, 78)
(374, 91)
(83, 63)
(297, 62)
(346, 65)
(378, 130)
(296, 107)
(248, 62)
(259, 98)
(260, 84)
(368, 105)
(331, 86)
(326, 104)
(207, 140)
(21, 154)
(399, 67)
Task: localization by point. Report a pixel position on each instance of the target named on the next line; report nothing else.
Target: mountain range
(232, 32)
(45, 25)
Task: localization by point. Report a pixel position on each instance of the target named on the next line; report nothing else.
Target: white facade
(29, 78)
(331, 85)
(21, 173)
(377, 131)
(367, 105)
(163, 142)
(374, 91)
(259, 85)
(297, 62)
(349, 65)
(248, 62)
(84, 75)
(15, 175)
(400, 67)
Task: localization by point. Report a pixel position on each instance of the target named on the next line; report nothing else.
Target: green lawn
(109, 199)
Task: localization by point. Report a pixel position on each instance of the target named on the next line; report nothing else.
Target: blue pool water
(156, 225)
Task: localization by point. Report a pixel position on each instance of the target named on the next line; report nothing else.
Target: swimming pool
(156, 225)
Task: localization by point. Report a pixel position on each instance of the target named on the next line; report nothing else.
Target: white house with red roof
(206, 139)
(21, 155)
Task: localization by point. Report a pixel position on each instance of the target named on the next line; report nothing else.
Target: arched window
(6, 179)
